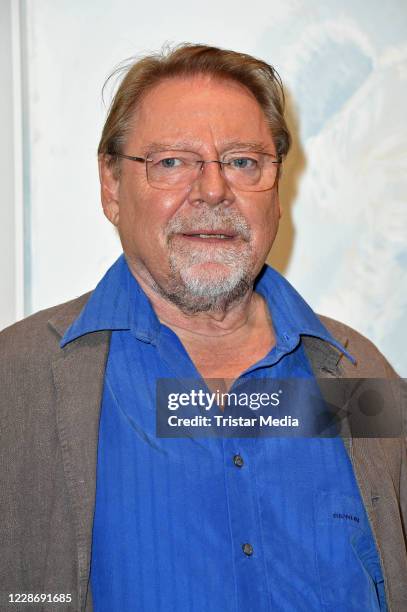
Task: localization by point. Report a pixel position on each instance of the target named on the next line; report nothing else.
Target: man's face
(160, 229)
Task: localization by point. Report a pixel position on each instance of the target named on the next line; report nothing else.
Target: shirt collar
(292, 316)
(119, 303)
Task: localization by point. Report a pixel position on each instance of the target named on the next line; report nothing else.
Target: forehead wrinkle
(173, 145)
(245, 145)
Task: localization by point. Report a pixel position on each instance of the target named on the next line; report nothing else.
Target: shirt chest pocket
(346, 557)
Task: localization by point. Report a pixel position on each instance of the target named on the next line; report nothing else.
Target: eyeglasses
(172, 170)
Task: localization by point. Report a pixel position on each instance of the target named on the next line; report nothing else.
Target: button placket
(244, 522)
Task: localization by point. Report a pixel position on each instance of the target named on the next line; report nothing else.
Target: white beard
(209, 278)
(228, 266)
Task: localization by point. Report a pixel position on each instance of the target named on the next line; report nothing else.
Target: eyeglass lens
(244, 170)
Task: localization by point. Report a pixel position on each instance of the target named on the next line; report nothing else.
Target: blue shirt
(179, 525)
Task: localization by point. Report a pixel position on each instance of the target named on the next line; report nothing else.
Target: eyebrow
(188, 145)
(179, 145)
(245, 145)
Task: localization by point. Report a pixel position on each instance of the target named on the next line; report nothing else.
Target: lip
(198, 240)
(201, 235)
(204, 230)
(209, 241)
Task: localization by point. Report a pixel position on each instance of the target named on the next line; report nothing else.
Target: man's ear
(109, 188)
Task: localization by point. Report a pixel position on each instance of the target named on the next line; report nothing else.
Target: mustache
(219, 221)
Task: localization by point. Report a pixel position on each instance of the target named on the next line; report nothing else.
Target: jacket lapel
(325, 362)
(78, 372)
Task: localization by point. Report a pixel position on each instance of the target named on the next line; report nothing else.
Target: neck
(210, 323)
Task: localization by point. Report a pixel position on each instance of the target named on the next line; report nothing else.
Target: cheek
(145, 212)
(264, 219)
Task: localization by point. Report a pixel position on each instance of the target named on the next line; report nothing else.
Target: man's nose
(211, 186)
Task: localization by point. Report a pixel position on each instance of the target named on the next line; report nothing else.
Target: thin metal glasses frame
(221, 163)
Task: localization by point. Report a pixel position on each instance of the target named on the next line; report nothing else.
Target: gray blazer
(50, 404)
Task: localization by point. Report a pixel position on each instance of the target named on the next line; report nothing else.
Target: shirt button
(238, 461)
(248, 549)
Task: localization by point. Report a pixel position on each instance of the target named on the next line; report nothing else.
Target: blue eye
(244, 163)
(170, 162)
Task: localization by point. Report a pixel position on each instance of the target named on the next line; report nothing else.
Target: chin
(211, 280)
(202, 281)
(210, 270)
(207, 287)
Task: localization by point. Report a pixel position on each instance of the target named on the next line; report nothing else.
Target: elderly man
(99, 512)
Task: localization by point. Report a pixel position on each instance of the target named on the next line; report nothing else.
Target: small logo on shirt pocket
(346, 517)
(343, 579)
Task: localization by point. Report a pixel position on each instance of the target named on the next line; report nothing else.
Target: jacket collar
(66, 314)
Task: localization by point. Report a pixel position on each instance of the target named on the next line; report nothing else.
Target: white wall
(342, 240)
(11, 243)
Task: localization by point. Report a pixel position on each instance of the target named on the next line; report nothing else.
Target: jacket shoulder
(370, 362)
(41, 331)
